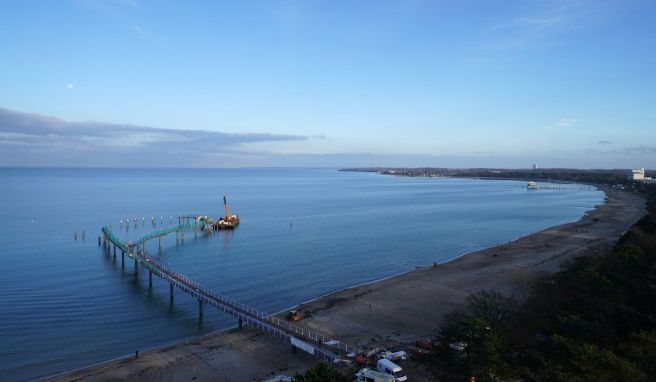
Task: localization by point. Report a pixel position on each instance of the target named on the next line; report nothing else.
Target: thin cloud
(43, 134)
(140, 31)
(603, 142)
(641, 150)
(111, 7)
(534, 28)
(566, 122)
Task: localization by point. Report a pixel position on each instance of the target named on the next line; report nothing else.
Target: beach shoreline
(388, 312)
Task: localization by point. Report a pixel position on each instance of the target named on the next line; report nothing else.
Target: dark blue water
(66, 304)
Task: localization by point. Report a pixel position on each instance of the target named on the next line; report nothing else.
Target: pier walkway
(322, 347)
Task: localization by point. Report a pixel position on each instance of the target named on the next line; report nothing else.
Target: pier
(324, 348)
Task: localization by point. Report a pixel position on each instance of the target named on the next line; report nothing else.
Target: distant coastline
(596, 177)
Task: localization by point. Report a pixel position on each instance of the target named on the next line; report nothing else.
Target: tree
(321, 373)
(491, 306)
(474, 341)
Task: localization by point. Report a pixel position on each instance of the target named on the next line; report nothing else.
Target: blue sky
(334, 83)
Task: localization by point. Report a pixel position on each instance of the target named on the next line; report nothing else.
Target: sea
(65, 303)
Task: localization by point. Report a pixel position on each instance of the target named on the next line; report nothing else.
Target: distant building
(535, 166)
(638, 174)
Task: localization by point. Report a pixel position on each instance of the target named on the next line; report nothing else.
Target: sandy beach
(390, 313)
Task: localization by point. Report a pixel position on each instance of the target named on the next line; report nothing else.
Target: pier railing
(253, 316)
(166, 231)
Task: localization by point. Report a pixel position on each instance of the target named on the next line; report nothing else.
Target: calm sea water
(65, 304)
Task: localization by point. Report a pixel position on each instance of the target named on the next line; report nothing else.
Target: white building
(638, 174)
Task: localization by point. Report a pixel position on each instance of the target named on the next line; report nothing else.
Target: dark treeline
(595, 320)
(606, 177)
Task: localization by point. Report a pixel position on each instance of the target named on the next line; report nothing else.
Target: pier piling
(150, 279)
(200, 309)
(241, 324)
(171, 292)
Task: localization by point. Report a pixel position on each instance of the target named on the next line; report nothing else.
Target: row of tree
(595, 320)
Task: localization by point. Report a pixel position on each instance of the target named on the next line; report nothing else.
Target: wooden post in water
(136, 265)
(99, 241)
(200, 309)
(150, 279)
(114, 250)
(241, 324)
(122, 259)
(171, 293)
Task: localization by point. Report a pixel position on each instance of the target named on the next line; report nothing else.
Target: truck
(388, 367)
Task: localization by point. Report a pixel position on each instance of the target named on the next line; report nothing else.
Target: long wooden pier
(325, 348)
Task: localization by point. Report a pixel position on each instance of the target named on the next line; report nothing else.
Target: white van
(389, 367)
(366, 375)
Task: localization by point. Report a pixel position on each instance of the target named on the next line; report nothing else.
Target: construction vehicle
(294, 315)
(228, 221)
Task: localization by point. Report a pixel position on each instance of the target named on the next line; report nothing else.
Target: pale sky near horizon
(328, 83)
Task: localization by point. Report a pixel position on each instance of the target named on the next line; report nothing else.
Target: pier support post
(114, 250)
(136, 266)
(159, 242)
(122, 259)
(171, 292)
(150, 279)
(241, 324)
(200, 309)
(99, 241)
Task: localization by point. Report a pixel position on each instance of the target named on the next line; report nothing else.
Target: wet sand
(391, 313)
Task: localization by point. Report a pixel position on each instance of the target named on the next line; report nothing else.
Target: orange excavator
(228, 221)
(294, 315)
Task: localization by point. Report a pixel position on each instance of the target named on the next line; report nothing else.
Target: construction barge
(228, 221)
